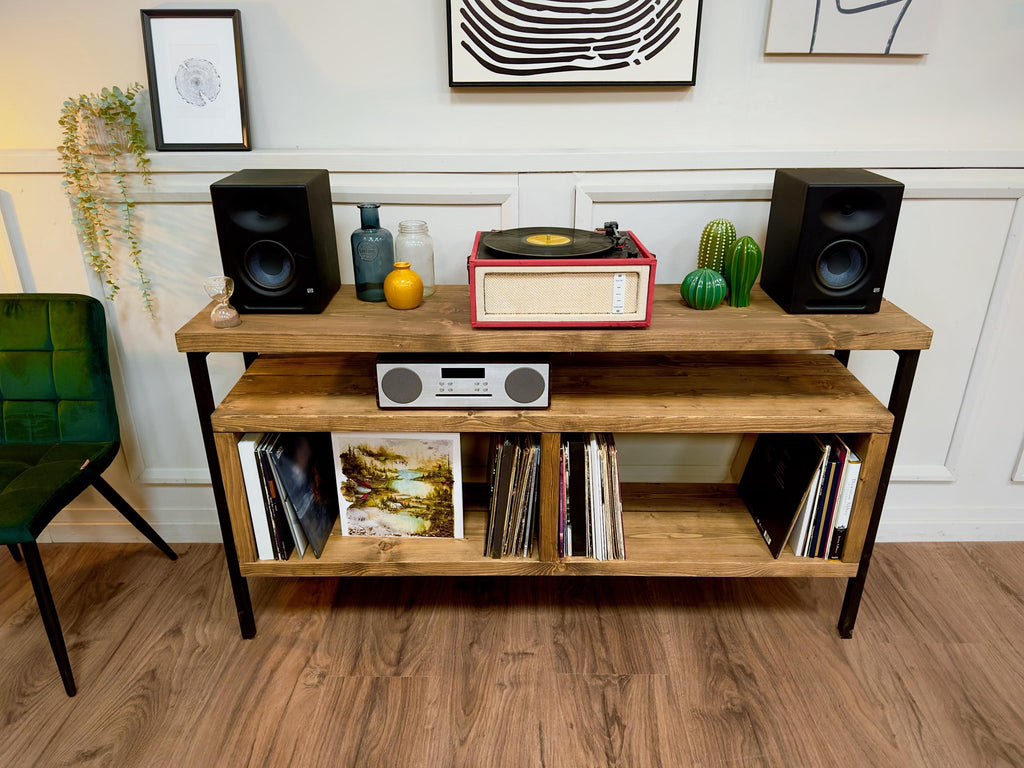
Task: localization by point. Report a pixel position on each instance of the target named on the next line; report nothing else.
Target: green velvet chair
(58, 429)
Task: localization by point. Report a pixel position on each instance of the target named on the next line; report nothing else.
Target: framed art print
(606, 42)
(196, 79)
(399, 483)
(886, 27)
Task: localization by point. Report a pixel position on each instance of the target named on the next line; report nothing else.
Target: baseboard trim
(120, 532)
(960, 524)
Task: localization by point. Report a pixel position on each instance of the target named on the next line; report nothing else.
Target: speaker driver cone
(841, 265)
(269, 266)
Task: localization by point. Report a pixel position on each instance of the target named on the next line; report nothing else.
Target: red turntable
(547, 277)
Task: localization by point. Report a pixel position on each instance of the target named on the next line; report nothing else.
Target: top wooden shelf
(442, 324)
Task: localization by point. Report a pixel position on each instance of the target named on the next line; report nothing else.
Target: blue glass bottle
(373, 254)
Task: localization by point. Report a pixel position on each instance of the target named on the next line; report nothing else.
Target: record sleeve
(776, 481)
(306, 467)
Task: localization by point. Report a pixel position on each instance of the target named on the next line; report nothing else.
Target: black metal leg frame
(204, 404)
(898, 399)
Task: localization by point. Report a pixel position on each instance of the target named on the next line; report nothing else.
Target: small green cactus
(742, 263)
(704, 288)
(718, 235)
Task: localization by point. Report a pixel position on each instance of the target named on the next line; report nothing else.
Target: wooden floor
(515, 672)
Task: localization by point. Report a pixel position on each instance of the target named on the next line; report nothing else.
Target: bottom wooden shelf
(671, 529)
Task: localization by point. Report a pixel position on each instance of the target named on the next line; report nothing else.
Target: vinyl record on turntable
(545, 242)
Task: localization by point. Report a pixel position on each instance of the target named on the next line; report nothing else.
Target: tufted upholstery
(58, 422)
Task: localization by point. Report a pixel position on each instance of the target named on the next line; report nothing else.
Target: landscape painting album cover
(399, 484)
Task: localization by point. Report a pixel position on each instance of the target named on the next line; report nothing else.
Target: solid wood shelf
(746, 371)
(589, 393)
(671, 529)
(442, 324)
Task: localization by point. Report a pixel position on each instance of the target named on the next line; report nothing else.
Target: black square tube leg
(48, 612)
(205, 405)
(898, 400)
(133, 517)
(15, 552)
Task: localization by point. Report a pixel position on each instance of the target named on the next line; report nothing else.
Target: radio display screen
(462, 373)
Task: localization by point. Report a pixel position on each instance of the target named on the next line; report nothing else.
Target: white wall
(361, 89)
(373, 75)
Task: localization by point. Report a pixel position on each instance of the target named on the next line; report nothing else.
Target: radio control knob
(524, 385)
(401, 385)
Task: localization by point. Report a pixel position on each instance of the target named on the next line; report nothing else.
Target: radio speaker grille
(577, 293)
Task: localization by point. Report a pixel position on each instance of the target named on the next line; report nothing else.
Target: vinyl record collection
(289, 484)
(515, 474)
(590, 498)
(800, 489)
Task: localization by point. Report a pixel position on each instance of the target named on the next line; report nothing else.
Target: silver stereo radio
(450, 383)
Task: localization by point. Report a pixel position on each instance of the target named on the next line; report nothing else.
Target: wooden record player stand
(731, 371)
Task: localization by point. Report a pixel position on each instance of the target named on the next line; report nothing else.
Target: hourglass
(220, 288)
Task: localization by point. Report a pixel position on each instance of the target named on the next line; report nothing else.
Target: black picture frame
(212, 80)
(492, 44)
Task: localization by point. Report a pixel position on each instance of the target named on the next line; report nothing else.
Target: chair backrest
(55, 382)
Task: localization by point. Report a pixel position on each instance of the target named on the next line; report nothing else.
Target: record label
(548, 239)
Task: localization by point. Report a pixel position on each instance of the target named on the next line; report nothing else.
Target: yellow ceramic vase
(403, 288)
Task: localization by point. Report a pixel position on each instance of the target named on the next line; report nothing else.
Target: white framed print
(196, 79)
(606, 42)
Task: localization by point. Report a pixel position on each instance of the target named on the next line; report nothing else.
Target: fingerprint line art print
(545, 41)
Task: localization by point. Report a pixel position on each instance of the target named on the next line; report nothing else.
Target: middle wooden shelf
(684, 393)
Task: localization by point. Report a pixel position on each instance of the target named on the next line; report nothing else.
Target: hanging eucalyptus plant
(101, 139)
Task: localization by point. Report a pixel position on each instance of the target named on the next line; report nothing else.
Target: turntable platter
(546, 242)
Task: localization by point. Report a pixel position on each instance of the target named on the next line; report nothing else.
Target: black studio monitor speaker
(277, 242)
(830, 234)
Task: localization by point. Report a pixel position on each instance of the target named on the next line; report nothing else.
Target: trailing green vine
(98, 132)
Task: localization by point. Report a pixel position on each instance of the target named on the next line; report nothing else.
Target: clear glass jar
(414, 245)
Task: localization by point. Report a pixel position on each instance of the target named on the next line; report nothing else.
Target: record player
(545, 277)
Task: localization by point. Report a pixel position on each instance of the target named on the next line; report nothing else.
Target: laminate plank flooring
(527, 671)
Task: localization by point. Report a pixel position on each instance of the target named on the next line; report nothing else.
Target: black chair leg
(49, 614)
(15, 552)
(132, 516)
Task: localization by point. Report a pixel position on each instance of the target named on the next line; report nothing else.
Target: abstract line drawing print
(852, 26)
(852, 8)
(197, 82)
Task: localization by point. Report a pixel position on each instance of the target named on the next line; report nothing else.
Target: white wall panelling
(162, 445)
(955, 265)
(952, 266)
(377, 112)
(10, 274)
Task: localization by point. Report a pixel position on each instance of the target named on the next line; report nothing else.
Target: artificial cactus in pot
(704, 288)
(717, 236)
(742, 263)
